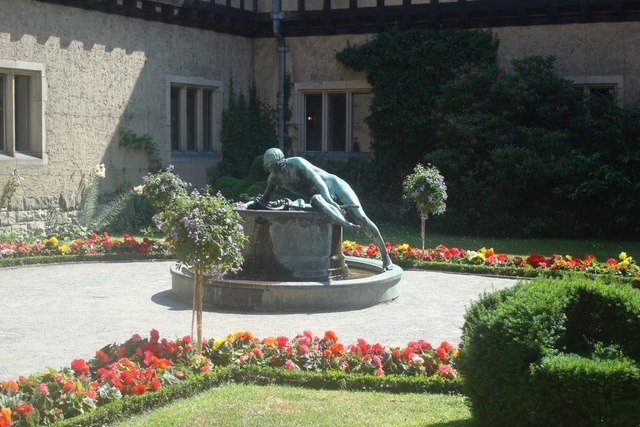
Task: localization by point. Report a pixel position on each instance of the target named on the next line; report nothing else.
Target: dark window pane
(313, 119)
(22, 112)
(207, 99)
(2, 118)
(337, 138)
(175, 119)
(360, 136)
(191, 119)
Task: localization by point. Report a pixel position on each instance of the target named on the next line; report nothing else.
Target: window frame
(325, 89)
(185, 84)
(36, 101)
(587, 82)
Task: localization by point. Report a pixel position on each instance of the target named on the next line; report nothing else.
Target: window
(22, 103)
(332, 117)
(590, 86)
(194, 116)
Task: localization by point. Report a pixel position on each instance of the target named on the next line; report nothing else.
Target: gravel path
(50, 315)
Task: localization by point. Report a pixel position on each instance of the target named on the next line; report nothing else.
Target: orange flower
(337, 348)
(10, 385)
(330, 335)
(5, 417)
(327, 353)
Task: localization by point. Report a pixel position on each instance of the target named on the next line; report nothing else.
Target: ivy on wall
(523, 153)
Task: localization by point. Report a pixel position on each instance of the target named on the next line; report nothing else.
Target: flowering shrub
(93, 245)
(426, 188)
(624, 265)
(143, 365)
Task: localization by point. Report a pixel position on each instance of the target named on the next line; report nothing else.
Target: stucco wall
(582, 50)
(105, 72)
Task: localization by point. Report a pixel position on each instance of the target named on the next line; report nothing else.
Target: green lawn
(251, 405)
(602, 249)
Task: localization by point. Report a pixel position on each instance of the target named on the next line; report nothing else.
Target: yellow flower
(63, 248)
(483, 250)
(138, 189)
(624, 264)
(53, 240)
(456, 354)
(217, 343)
(622, 256)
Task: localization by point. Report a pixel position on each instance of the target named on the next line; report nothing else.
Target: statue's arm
(272, 187)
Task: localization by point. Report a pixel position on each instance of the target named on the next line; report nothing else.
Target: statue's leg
(372, 231)
(319, 203)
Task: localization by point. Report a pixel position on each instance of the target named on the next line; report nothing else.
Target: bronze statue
(327, 193)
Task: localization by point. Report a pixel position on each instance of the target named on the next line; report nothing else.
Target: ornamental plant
(426, 188)
(204, 230)
(146, 365)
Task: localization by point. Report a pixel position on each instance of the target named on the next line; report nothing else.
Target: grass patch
(410, 233)
(244, 405)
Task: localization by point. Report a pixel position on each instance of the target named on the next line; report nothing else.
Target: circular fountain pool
(294, 262)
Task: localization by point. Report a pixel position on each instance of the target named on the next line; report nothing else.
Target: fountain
(294, 259)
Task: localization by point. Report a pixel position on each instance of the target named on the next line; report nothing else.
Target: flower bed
(141, 366)
(95, 245)
(493, 262)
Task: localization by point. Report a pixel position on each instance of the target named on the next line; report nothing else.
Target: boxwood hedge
(554, 352)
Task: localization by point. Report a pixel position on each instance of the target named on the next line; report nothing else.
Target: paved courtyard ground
(50, 315)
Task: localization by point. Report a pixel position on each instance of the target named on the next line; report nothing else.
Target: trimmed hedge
(566, 339)
(133, 405)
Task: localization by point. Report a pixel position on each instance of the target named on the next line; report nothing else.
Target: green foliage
(595, 392)
(406, 70)
(574, 335)
(145, 143)
(90, 218)
(10, 189)
(248, 130)
(256, 171)
(522, 152)
(230, 187)
(524, 159)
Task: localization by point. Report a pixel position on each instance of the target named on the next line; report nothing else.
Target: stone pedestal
(291, 246)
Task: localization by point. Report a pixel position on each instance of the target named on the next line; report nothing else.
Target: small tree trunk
(198, 280)
(423, 220)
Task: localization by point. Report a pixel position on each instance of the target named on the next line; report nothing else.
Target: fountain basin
(367, 285)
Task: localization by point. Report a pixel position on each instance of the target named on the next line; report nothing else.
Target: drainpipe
(278, 16)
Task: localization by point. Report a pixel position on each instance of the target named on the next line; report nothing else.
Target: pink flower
(43, 389)
(445, 371)
(290, 365)
(155, 336)
(303, 349)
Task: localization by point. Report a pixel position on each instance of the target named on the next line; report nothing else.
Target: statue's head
(272, 158)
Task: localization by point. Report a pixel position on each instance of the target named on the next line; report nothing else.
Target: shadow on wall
(107, 72)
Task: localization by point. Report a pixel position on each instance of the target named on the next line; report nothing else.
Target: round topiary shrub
(554, 352)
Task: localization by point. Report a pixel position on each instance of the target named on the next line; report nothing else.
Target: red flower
(69, 386)
(80, 366)
(127, 377)
(155, 336)
(23, 409)
(327, 353)
(282, 341)
(536, 260)
(155, 384)
(139, 389)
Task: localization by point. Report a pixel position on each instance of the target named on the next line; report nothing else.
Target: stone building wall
(104, 72)
(587, 53)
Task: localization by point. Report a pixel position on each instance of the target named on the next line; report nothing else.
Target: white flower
(138, 189)
(100, 170)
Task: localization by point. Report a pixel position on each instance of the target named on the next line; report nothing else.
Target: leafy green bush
(230, 187)
(248, 130)
(522, 343)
